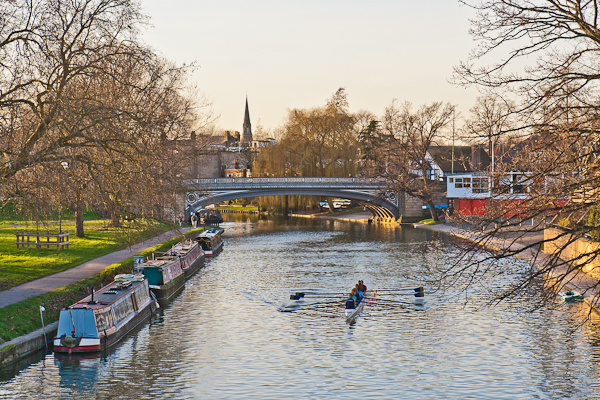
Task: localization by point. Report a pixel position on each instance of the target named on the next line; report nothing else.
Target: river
(228, 335)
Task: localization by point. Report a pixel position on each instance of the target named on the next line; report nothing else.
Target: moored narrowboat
(101, 319)
(189, 252)
(211, 241)
(165, 276)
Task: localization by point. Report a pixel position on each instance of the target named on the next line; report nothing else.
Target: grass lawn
(24, 317)
(245, 208)
(21, 265)
(429, 221)
(12, 215)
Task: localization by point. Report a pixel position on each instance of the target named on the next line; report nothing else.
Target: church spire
(247, 132)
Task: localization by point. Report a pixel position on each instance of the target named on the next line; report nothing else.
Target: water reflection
(224, 336)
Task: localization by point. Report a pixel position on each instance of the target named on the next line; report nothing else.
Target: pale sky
(295, 54)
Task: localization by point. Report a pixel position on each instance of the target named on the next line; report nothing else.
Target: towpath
(82, 271)
(528, 246)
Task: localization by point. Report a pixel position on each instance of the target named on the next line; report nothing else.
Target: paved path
(572, 278)
(75, 274)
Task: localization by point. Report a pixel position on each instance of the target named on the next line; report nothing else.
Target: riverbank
(20, 313)
(526, 246)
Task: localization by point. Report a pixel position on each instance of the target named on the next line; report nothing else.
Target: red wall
(471, 207)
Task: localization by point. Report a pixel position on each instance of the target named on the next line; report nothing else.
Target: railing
(268, 182)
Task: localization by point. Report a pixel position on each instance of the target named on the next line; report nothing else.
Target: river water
(229, 334)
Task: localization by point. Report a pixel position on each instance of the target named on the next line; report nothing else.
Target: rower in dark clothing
(352, 300)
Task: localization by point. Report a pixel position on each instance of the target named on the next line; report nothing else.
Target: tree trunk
(79, 220)
(330, 202)
(432, 210)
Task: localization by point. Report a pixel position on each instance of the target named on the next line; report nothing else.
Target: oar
(417, 292)
(316, 294)
(299, 295)
(399, 289)
(308, 305)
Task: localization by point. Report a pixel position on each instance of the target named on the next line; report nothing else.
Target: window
(104, 319)
(451, 180)
(458, 183)
(123, 309)
(480, 185)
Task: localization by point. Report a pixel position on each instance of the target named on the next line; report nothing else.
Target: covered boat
(190, 254)
(101, 319)
(209, 216)
(571, 296)
(211, 241)
(165, 277)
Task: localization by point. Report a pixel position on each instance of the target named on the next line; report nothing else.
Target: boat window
(104, 319)
(141, 295)
(123, 309)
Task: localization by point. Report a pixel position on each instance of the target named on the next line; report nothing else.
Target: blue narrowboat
(101, 319)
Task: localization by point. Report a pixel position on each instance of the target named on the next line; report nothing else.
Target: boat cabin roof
(108, 295)
(181, 248)
(158, 263)
(209, 234)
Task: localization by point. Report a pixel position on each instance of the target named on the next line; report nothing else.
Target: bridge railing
(287, 181)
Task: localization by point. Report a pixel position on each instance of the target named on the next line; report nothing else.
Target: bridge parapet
(282, 182)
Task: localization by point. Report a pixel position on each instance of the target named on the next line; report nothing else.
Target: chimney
(236, 164)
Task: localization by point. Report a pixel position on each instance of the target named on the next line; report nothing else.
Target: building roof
(466, 158)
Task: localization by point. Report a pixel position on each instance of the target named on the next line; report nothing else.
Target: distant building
(238, 170)
(257, 144)
(232, 139)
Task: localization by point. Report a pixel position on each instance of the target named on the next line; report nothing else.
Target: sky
(295, 54)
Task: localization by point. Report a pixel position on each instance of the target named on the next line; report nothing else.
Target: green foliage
(369, 138)
(565, 221)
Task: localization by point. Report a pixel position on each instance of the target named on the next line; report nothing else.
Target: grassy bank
(243, 208)
(18, 266)
(24, 317)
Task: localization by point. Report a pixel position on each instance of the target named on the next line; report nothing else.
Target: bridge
(373, 194)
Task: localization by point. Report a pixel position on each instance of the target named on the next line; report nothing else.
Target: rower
(359, 291)
(351, 301)
(363, 286)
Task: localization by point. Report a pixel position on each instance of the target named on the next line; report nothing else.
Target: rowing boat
(352, 313)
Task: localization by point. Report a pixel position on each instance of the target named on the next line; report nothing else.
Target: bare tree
(400, 155)
(78, 88)
(549, 174)
(492, 119)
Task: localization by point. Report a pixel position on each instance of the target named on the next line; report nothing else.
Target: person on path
(180, 221)
(194, 220)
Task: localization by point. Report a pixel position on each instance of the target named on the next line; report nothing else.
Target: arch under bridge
(373, 194)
